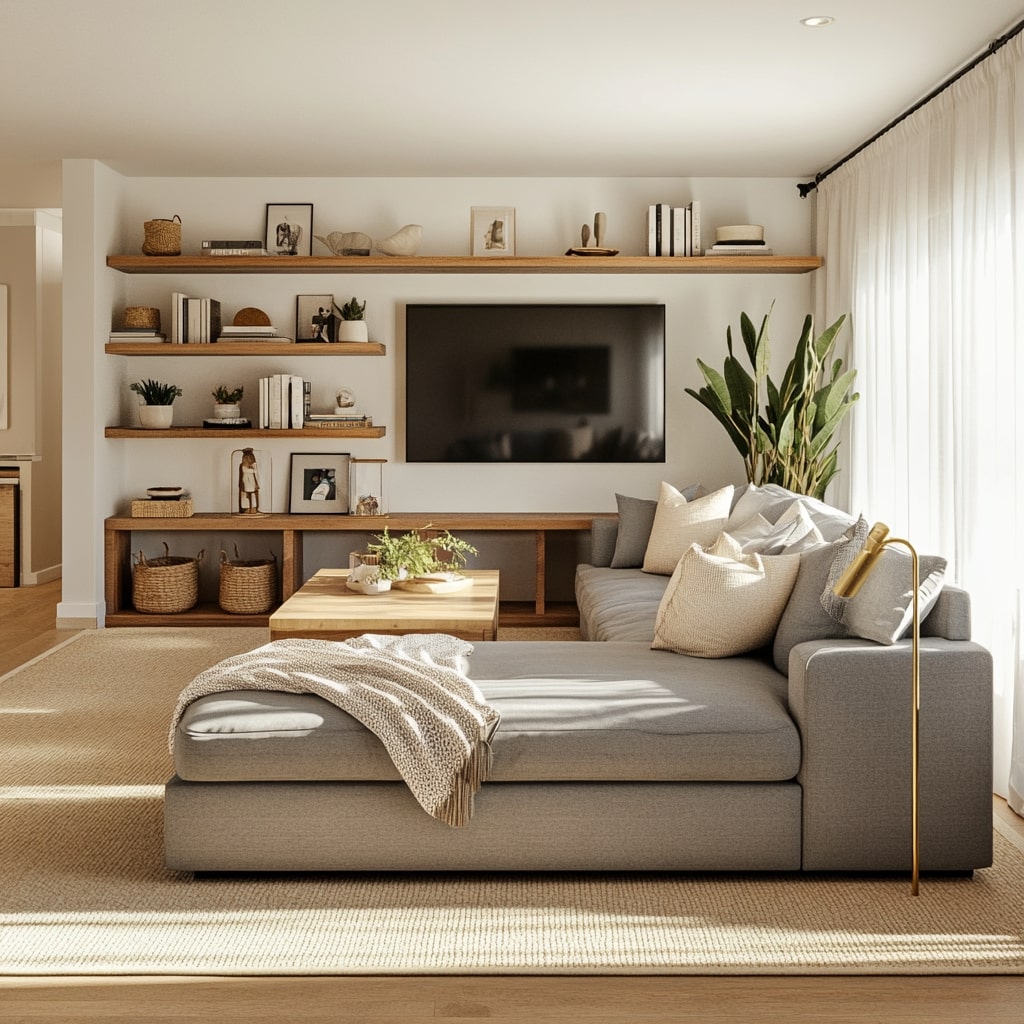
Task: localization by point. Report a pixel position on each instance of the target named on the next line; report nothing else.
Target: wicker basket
(142, 318)
(165, 585)
(247, 588)
(163, 237)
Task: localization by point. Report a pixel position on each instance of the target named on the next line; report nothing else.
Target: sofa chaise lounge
(613, 754)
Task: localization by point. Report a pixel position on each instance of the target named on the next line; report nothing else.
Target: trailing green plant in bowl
(153, 392)
(414, 554)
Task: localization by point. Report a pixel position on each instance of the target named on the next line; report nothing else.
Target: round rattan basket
(141, 317)
(163, 237)
(165, 585)
(247, 587)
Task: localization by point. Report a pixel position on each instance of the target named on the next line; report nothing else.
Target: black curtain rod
(808, 187)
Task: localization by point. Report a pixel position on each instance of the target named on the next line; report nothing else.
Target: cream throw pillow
(678, 523)
(721, 602)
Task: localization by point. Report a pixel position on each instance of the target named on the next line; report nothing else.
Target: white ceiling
(661, 88)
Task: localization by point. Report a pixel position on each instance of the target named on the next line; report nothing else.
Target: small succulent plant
(353, 310)
(155, 393)
(228, 396)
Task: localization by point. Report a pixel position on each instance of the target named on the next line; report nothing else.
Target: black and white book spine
(296, 402)
(696, 242)
(274, 402)
(244, 244)
(664, 229)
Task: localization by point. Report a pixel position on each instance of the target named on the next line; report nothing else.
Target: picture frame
(492, 230)
(289, 229)
(319, 483)
(315, 319)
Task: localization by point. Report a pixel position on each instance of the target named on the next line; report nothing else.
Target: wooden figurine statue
(248, 483)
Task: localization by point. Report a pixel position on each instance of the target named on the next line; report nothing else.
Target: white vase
(352, 330)
(226, 412)
(156, 417)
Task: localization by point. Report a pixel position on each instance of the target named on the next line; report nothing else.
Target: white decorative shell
(404, 242)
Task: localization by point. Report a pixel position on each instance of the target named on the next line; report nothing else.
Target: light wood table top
(325, 609)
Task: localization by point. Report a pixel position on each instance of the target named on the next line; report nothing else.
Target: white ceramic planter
(156, 417)
(352, 330)
(226, 412)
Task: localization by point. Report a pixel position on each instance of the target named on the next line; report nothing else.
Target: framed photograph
(315, 319)
(492, 231)
(319, 483)
(289, 229)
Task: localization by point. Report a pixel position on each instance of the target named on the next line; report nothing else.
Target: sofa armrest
(852, 702)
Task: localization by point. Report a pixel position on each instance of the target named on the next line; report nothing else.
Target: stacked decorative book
(739, 240)
(194, 321)
(252, 332)
(347, 420)
(230, 247)
(284, 401)
(139, 334)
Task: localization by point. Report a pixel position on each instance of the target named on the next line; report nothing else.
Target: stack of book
(338, 420)
(284, 402)
(137, 334)
(253, 332)
(674, 230)
(194, 321)
(245, 247)
(739, 240)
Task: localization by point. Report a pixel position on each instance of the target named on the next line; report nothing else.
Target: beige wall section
(30, 265)
(30, 184)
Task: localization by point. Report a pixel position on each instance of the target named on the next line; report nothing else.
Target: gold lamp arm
(847, 586)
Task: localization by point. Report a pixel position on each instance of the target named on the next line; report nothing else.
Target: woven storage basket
(163, 237)
(165, 585)
(247, 588)
(142, 317)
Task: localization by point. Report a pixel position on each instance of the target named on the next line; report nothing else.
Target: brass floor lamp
(848, 585)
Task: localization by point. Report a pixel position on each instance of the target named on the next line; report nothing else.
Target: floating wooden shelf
(464, 264)
(215, 433)
(245, 348)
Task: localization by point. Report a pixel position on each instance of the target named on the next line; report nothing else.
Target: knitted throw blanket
(408, 690)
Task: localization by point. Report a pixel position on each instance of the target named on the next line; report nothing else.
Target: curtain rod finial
(807, 188)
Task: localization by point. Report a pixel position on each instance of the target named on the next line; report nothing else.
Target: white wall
(549, 213)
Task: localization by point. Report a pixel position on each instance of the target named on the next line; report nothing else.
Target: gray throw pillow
(804, 617)
(883, 608)
(636, 518)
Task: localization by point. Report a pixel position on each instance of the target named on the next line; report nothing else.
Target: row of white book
(674, 230)
(285, 404)
(284, 401)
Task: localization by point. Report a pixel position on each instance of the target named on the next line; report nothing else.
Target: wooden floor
(27, 618)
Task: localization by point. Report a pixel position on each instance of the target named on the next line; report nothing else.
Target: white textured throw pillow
(794, 532)
(678, 523)
(721, 602)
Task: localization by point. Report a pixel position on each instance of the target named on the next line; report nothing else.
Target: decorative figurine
(248, 483)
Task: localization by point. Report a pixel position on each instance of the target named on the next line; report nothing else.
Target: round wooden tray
(428, 585)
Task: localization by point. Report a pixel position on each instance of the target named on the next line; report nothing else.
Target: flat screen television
(535, 382)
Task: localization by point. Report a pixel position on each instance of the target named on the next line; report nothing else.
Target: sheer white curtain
(923, 239)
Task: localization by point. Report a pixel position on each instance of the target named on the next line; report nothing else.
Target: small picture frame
(319, 483)
(492, 231)
(315, 318)
(289, 229)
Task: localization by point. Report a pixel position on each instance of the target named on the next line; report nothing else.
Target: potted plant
(437, 556)
(156, 409)
(788, 442)
(226, 401)
(352, 326)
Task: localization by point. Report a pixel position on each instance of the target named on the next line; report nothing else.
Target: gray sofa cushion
(618, 604)
(636, 519)
(570, 712)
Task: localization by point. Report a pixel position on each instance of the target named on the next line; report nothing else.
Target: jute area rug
(83, 889)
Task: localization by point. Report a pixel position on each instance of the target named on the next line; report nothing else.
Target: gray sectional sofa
(612, 755)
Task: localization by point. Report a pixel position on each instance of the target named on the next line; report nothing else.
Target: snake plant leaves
(787, 441)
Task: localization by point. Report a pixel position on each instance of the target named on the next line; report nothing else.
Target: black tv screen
(535, 383)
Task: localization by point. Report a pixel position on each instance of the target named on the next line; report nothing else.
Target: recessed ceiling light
(818, 21)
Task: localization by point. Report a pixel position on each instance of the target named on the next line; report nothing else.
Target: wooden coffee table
(325, 609)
